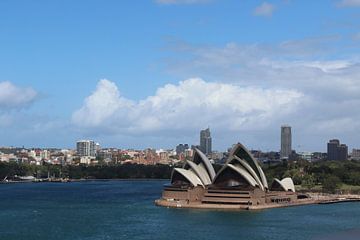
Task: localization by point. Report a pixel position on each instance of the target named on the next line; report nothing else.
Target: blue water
(126, 210)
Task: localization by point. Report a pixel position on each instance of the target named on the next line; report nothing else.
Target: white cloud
(169, 2)
(331, 87)
(349, 3)
(191, 104)
(12, 96)
(265, 9)
(266, 65)
(101, 105)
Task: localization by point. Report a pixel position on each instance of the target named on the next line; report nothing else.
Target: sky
(153, 73)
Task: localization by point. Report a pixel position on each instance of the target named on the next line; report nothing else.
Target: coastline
(82, 180)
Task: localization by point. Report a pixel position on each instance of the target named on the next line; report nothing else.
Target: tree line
(328, 176)
(124, 171)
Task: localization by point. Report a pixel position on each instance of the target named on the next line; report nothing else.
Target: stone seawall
(314, 199)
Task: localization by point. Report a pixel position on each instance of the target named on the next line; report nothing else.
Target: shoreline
(83, 180)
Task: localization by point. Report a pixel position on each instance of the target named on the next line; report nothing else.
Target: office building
(336, 151)
(205, 141)
(285, 142)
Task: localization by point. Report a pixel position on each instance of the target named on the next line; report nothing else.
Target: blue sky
(153, 73)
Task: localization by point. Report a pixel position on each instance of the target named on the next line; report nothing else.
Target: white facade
(45, 154)
(86, 160)
(86, 148)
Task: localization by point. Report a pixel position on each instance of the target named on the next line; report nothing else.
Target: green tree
(331, 183)
(308, 181)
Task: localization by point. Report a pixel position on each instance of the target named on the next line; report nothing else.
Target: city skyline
(243, 68)
(205, 145)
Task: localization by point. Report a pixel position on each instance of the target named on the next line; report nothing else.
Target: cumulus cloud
(330, 86)
(250, 90)
(12, 96)
(101, 105)
(190, 104)
(265, 9)
(169, 2)
(349, 3)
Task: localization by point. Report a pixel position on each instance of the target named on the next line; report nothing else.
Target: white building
(86, 148)
(86, 160)
(45, 155)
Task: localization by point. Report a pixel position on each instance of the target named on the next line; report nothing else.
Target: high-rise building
(205, 141)
(336, 151)
(332, 149)
(86, 148)
(181, 148)
(285, 141)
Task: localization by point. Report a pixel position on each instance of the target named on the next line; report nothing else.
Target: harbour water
(94, 210)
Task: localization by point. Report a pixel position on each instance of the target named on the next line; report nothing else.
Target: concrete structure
(240, 184)
(336, 151)
(285, 142)
(86, 148)
(355, 154)
(205, 141)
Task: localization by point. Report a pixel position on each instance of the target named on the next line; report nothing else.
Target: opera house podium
(239, 184)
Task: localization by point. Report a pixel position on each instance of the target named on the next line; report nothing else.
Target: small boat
(25, 178)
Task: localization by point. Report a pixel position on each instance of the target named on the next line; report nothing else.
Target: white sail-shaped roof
(241, 171)
(285, 184)
(241, 152)
(244, 174)
(206, 162)
(288, 184)
(250, 170)
(200, 172)
(190, 176)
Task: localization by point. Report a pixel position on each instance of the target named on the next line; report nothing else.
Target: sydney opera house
(240, 184)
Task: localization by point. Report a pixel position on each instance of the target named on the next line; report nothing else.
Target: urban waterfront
(126, 210)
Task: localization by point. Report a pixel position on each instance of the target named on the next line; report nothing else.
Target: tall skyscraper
(332, 149)
(285, 141)
(336, 151)
(86, 148)
(205, 141)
